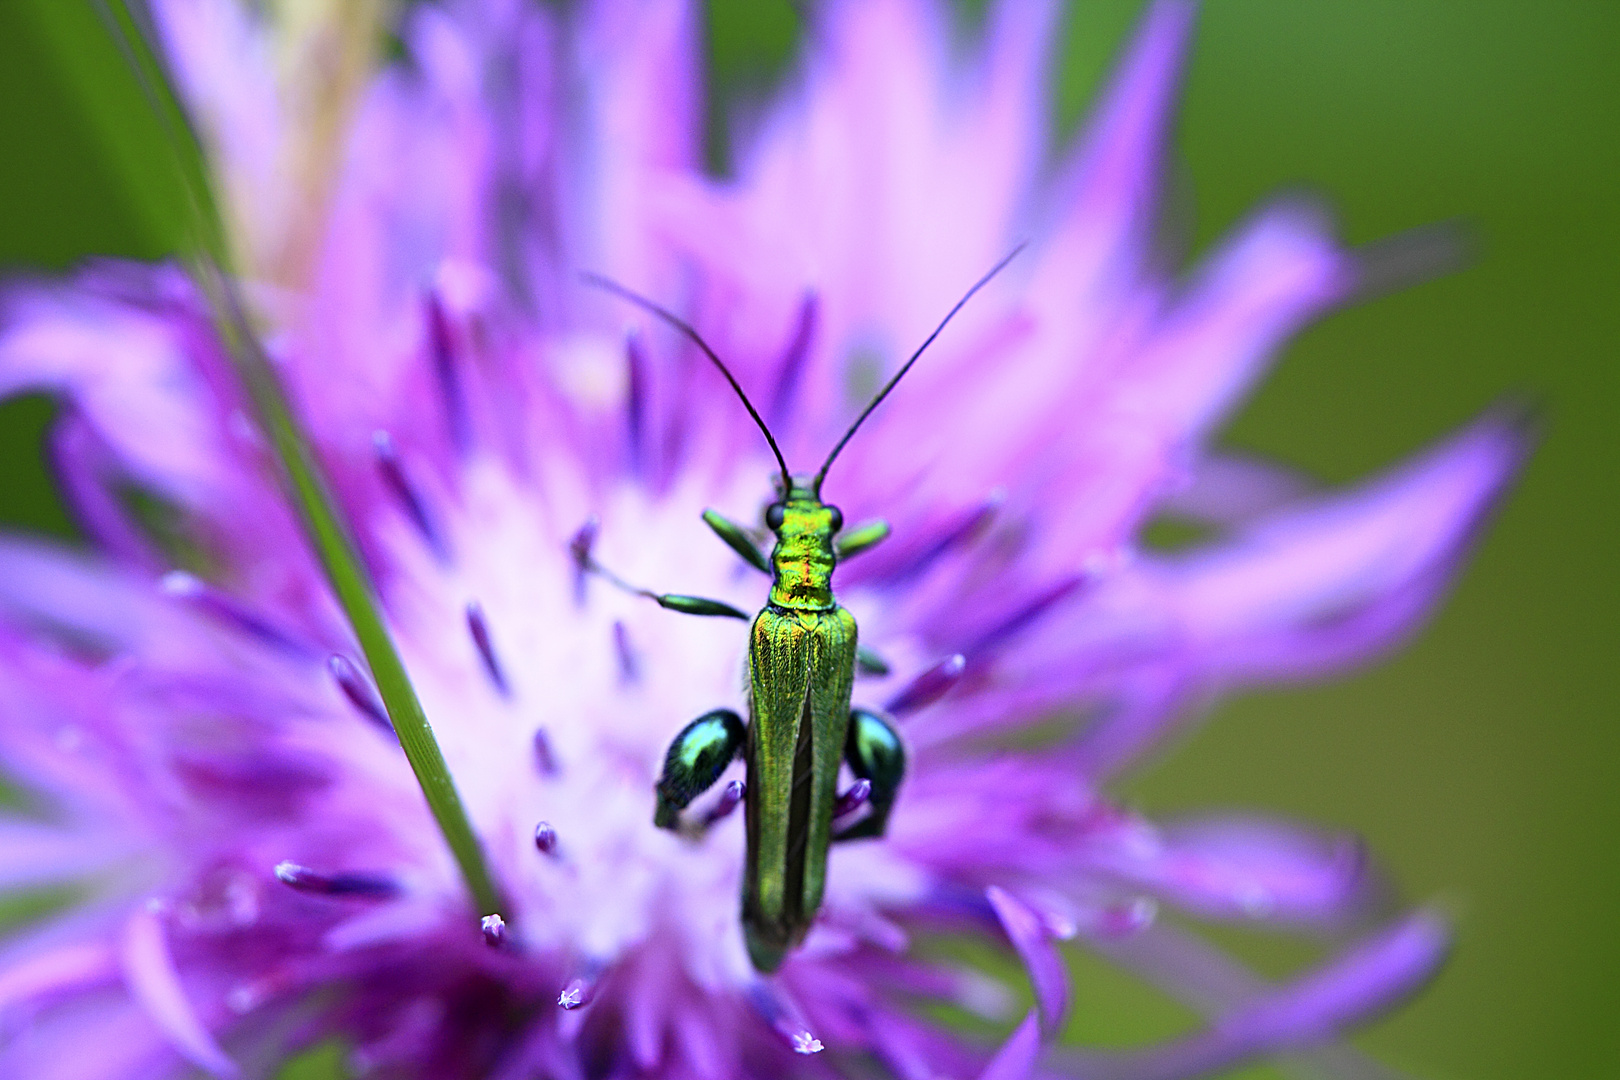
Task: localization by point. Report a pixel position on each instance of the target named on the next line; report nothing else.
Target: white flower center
(610, 678)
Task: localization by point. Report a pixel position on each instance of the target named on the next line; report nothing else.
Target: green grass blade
(340, 559)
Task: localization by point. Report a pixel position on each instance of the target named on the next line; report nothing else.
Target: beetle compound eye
(774, 516)
(837, 521)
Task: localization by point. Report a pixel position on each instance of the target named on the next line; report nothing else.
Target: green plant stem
(340, 559)
(202, 236)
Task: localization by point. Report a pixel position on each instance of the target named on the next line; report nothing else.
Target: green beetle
(802, 655)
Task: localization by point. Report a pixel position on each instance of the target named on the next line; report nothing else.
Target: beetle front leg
(861, 538)
(697, 757)
(875, 754)
(738, 540)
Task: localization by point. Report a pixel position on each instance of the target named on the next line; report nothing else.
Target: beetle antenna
(883, 393)
(686, 328)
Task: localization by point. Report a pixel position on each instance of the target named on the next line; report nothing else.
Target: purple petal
(1332, 580)
(929, 143)
(648, 1004)
(82, 464)
(32, 854)
(1229, 489)
(226, 70)
(1280, 269)
(642, 112)
(1245, 867)
(154, 982)
(1167, 391)
(1302, 592)
(1017, 1055)
(700, 1041)
(153, 408)
(110, 1040)
(1372, 977)
(1151, 393)
(1113, 178)
(65, 967)
(1030, 936)
(914, 1048)
(1196, 973)
(1019, 365)
(43, 582)
(161, 419)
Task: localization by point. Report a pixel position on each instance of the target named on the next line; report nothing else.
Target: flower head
(518, 454)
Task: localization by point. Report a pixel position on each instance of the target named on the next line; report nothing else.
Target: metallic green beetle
(802, 655)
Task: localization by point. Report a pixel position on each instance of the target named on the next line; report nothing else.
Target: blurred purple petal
(1343, 575)
(1196, 973)
(153, 410)
(1227, 489)
(1250, 868)
(53, 970)
(1169, 389)
(1110, 185)
(1368, 979)
(154, 982)
(1030, 936)
(1017, 1055)
(32, 854)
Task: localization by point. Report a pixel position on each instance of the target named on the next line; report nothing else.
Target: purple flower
(210, 763)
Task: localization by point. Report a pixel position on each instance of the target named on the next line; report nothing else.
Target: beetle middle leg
(586, 562)
(875, 754)
(697, 757)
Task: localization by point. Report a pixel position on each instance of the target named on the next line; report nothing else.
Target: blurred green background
(1481, 761)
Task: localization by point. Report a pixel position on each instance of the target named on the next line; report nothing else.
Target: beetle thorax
(803, 558)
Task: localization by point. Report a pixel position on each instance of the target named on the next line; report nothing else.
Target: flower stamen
(629, 667)
(635, 400)
(579, 546)
(853, 799)
(962, 531)
(179, 583)
(358, 885)
(780, 1011)
(478, 626)
(580, 991)
(729, 800)
(545, 758)
(400, 486)
(443, 346)
(791, 366)
(928, 687)
(1024, 616)
(358, 691)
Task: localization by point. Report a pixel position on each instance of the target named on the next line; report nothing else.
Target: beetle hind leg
(697, 757)
(875, 754)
